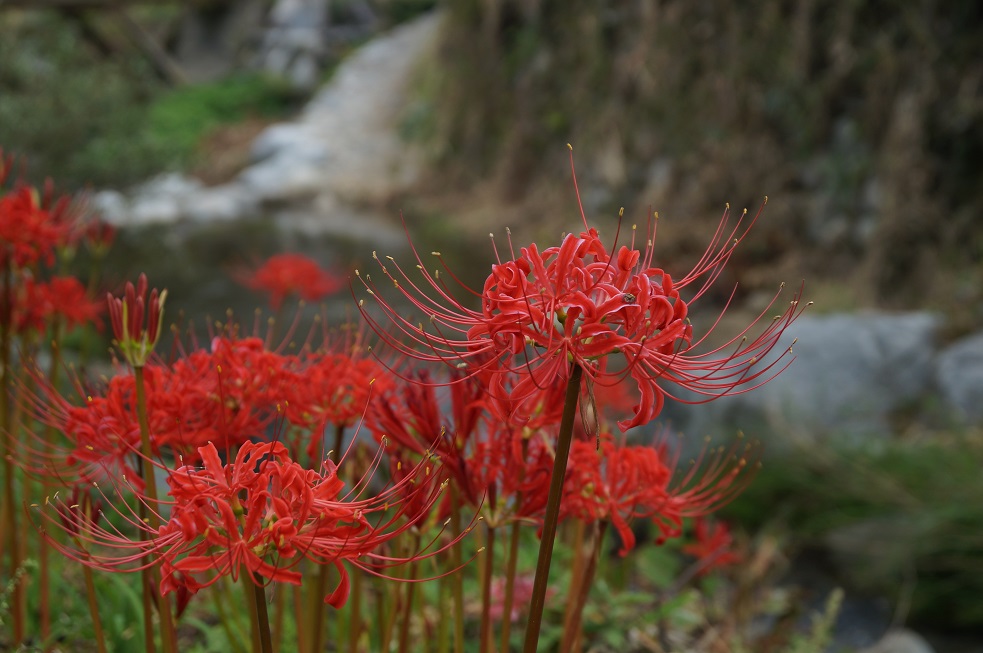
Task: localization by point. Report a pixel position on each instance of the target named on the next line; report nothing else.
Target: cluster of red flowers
(35, 225)
(238, 429)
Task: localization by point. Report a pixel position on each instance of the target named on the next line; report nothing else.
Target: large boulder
(851, 374)
(959, 377)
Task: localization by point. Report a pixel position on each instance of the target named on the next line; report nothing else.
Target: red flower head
(292, 274)
(30, 232)
(135, 340)
(621, 483)
(98, 236)
(712, 546)
(544, 311)
(62, 298)
(6, 163)
(259, 514)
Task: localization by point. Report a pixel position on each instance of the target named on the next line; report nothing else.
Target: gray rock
(162, 199)
(901, 640)
(221, 203)
(281, 179)
(959, 378)
(850, 373)
(111, 205)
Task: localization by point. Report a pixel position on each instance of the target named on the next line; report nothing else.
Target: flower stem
(538, 601)
(580, 529)
(486, 579)
(404, 626)
(18, 609)
(43, 549)
(355, 625)
(315, 608)
(260, 619)
(573, 621)
(510, 586)
(90, 593)
(457, 578)
(167, 634)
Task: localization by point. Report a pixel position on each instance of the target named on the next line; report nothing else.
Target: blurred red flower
(712, 545)
(291, 274)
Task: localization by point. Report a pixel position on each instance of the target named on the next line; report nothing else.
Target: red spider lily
(496, 465)
(38, 304)
(292, 274)
(226, 395)
(332, 388)
(126, 313)
(98, 236)
(6, 163)
(261, 514)
(712, 546)
(576, 303)
(621, 483)
(29, 232)
(521, 593)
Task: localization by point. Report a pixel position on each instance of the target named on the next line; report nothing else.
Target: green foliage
(179, 118)
(890, 512)
(74, 116)
(83, 119)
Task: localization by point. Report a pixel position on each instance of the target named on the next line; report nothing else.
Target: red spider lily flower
(332, 386)
(6, 163)
(126, 313)
(497, 466)
(36, 305)
(292, 274)
(521, 595)
(621, 483)
(226, 395)
(260, 514)
(98, 236)
(712, 545)
(576, 303)
(29, 232)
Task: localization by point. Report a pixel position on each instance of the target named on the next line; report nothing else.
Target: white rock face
(901, 640)
(342, 154)
(959, 377)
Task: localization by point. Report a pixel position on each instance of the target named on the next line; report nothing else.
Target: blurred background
(217, 133)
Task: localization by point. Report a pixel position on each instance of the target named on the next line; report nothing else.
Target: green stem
(317, 614)
(90, 592)
(457, 578)
(261, 615)
(443, 625)
(259, 618)
(404, 626)
(510, 587)
(146, 599)
(298, 600)
(538, 600)
(355, 622)
(486, 579)
(167, 634)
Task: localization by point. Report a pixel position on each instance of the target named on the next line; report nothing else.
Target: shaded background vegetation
(863, 122)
